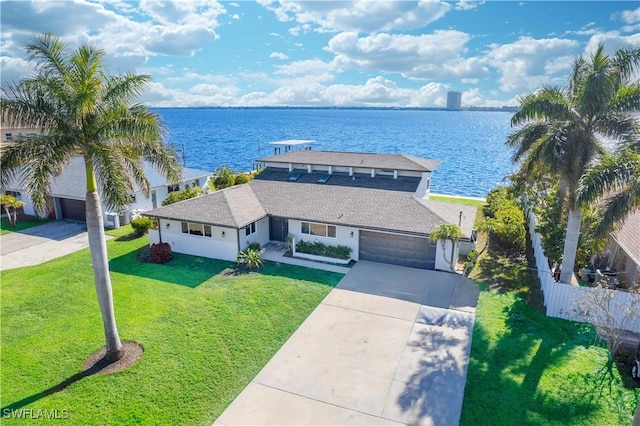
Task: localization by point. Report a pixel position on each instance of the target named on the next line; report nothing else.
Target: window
(318, 229)
(196, 229)
(173, 188)
(8, 136)
(250, 228)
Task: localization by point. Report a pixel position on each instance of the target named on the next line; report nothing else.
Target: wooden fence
(563, 300)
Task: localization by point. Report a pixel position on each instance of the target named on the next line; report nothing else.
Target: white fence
(562, 300)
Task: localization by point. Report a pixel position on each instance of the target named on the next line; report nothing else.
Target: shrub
(243, 178)
(319, 249)
(224, 177)
(496, 199)
(161, 252)
(254, 246)
(510, 227)
(185, 194)
(250, 258)
(141, 225)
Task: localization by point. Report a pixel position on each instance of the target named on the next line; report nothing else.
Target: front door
(278, 228)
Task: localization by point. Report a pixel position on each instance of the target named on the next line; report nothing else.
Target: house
(68, 193)
(376, 204)
(624, 249)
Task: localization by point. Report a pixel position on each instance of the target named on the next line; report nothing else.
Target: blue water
(470, 144)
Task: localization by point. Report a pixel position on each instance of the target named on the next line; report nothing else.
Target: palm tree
(563, 129)
(81, 110)
(617, 180)
(9, 202)
(444, 232)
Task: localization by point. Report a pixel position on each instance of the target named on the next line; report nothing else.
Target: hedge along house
(376, 204)
(68, 193)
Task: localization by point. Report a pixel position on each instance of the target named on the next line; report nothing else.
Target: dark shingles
(355, 159)
(402, 183)
(233, 207)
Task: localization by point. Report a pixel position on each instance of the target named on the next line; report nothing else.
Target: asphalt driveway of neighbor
(388, 345)
(41, 243)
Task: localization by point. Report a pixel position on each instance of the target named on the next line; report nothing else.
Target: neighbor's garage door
(402, 250)
(73, 209)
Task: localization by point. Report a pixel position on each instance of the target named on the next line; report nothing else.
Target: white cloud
(360, 15)
(612, 41)
(310, 66)
(529, 63)
(278, 55)
(427, 56)
(630, 16)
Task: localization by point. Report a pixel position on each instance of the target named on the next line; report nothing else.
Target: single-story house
(68, 193)
(376, 204)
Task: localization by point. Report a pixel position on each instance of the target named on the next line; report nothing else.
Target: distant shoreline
(352, 108)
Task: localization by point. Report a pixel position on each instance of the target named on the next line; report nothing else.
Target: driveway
(388, 345)
(41, 243)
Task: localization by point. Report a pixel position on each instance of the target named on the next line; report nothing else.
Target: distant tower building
(454, 100)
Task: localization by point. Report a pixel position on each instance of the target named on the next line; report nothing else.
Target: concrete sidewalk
(389, 345)
(41, 243)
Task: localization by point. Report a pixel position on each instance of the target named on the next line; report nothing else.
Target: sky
(327, 53)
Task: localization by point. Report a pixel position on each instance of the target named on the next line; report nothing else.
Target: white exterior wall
(260, 236)
(216, 247)
(343, 237)
(424, 187)
(162, 192)
(441, 263)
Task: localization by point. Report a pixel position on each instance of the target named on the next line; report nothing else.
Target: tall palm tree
(616, 180)
(562, 130)
(81, 110)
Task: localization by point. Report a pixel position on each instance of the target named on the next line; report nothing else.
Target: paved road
(389, 345)
(41, 243)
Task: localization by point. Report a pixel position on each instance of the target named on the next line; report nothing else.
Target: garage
(404, 250)
(72, 209)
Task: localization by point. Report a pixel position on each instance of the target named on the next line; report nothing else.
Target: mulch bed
(96, 364)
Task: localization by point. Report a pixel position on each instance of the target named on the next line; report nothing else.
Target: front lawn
(529, 369)
(24, 222)
(205, 336)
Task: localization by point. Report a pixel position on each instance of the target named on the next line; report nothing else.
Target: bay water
(469, 144)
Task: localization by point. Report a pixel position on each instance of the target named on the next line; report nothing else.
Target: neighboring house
(68, 194)
(376, 204)
(624, 249)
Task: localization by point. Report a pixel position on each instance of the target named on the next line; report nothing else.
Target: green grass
(7, 228)
(205, 336)
(460, 200)
(529, 369)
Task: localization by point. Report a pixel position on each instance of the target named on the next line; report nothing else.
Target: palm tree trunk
(99, 259)
(570, 244)
(6, 209)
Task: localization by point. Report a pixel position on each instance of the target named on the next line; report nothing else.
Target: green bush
(319, 249)
(185, 194)
(250, 258)
(496, 199)
(141, 225)
(254, 246)
(223, 177)
(510, 227)
(243, 178)
(161, 252)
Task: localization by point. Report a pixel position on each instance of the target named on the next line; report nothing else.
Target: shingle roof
(628, 236)
(340, 205)
(355, 159)
(233, 207)
(402, 183)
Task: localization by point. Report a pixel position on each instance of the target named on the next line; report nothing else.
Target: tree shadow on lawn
(184, 270)
(532, 345)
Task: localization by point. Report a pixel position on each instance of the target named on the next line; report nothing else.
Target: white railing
(563, 300)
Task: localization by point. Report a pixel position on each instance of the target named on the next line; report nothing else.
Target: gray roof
(355, 159)
(628, 236)
(233, 207)
(360, 180)
(71, 183)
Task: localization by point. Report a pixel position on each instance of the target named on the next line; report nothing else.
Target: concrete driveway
(41, 243)
(389, 345)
